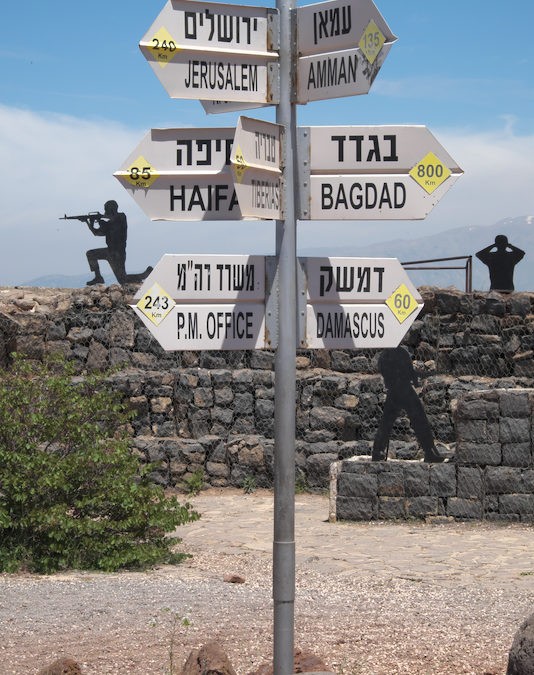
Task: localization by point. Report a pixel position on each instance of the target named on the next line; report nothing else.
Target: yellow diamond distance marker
(402, 303)
(141, 174)
(163, 47)
(155, 304)
(240, 166)
(430, 172)
(372, 41)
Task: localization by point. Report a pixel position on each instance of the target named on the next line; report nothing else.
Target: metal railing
(468, 267)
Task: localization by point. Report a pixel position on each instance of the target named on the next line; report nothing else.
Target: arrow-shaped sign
(342, 45)
(372, 173)
(183, 174)
(210, 50)
(191, 302)
(358, 303)
(340, 24)
(186, 174)
(256, 166)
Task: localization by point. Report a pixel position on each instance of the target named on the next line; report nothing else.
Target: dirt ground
(371, 598)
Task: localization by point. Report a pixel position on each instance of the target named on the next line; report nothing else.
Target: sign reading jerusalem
(215, 51)
(372, 172)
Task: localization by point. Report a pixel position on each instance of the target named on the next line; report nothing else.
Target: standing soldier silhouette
(397, 369)
(501, 263)
(113, 226)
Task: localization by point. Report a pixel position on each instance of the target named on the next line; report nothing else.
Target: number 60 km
(402, 301)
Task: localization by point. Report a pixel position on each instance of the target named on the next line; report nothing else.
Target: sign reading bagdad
(215, 51)
(372, 172)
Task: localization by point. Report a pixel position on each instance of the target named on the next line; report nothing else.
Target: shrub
(249, 484)
(72, 494)
(193, 483)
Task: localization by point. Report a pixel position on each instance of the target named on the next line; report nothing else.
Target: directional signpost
(210, 50)
(183, 174)
(342, 45)
(232, 58)
(193, 302)
(372, 173)
(205, 302)
(358, 303)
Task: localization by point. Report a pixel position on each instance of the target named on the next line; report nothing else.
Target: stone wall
(492, 476)
(214, 411)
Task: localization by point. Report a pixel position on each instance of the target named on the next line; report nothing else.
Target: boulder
(234, 579)
(304, 662)
(63, 666)
(210, 659)
(521, 657)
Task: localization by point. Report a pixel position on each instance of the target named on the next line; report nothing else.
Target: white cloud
(57, 164)
(497, 183)
(54, 164)
(499, 170)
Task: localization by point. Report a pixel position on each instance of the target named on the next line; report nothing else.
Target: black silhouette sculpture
(397, 369)
(113, 226)
(501, 258)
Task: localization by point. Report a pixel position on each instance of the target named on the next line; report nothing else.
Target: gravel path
(371, 598)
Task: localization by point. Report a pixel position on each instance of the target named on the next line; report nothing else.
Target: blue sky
(77, 96)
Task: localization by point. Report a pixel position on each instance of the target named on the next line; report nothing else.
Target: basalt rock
(210, 659)
(304, 662)
(63, 666)
(521, 657)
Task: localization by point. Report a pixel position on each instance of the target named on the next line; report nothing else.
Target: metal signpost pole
(285, 368)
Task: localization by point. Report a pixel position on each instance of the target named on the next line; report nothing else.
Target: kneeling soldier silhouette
(113, 226)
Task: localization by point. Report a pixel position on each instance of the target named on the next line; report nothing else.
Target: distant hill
(63, 281)
(460, 241)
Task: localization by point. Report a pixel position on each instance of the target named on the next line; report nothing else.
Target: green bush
(193, 483)
(72, 494)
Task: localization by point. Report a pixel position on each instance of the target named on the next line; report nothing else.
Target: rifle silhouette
(88, 218)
